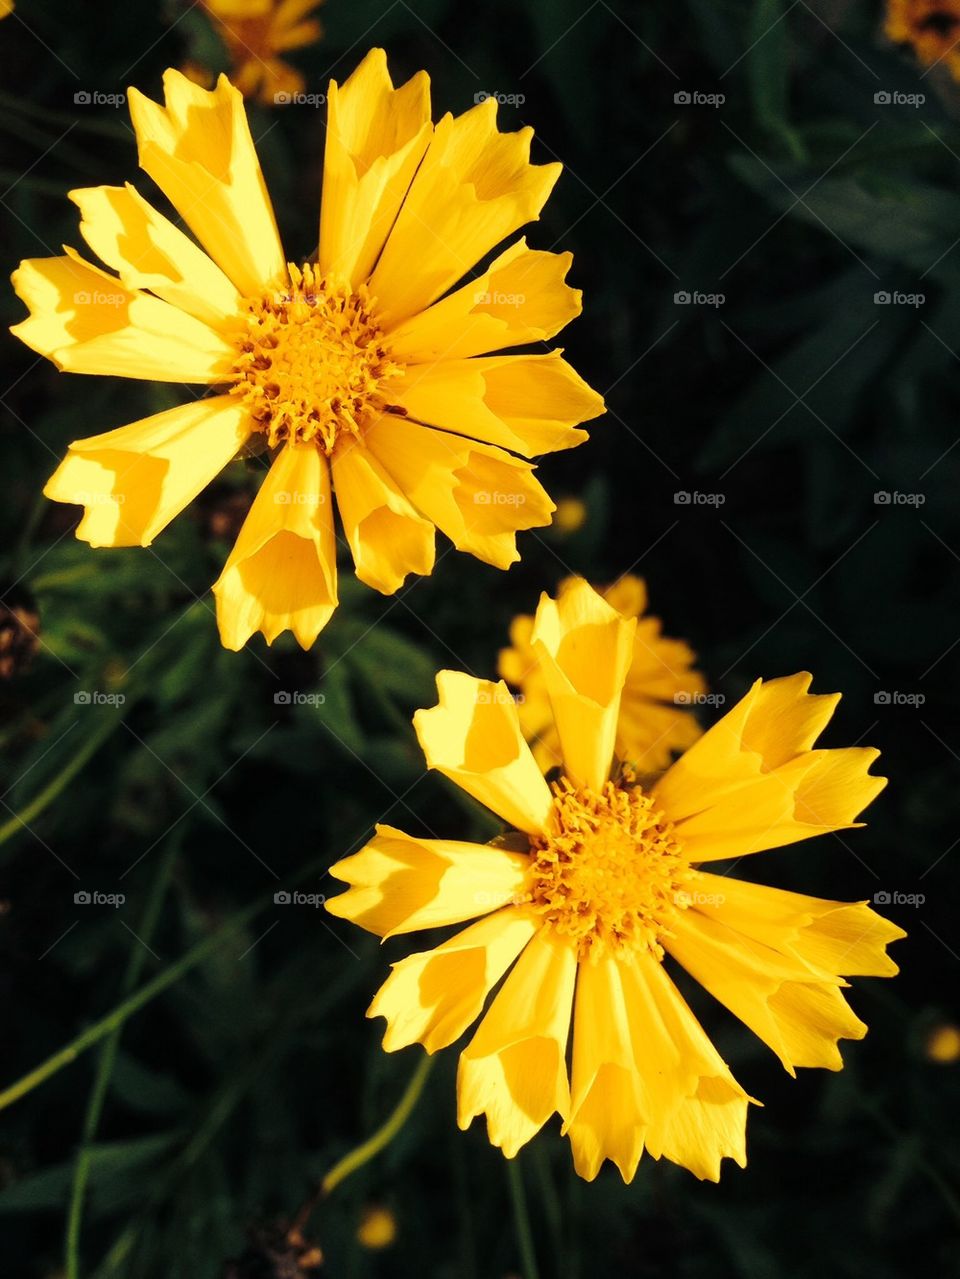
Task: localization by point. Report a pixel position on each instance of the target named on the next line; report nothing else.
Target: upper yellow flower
(930, 27)
(656, 716)
(603, 877)
(255, 32)
(348, 366)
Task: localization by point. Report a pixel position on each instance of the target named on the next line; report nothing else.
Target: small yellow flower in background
(254, 33)
(943, 1045)
(930, 27)
(348, 374)
(377, 1229)
(6, 8)
(570, 516)
(661, 686)
(601, 878)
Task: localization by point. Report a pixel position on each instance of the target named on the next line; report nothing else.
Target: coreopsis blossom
(600, 880)
(367, 373)
(255, 33)
(930, 27)
(659, 693)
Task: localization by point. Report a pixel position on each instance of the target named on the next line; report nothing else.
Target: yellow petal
(473, 737)
(400, 884)
(148, 252)
(775, 722)
(432, 997)
(86, 321)
(376, 137)
(514, 1069)
(527, 403)
(753, 782)
(198, 150)
(474, 188)
(520, 298)
(387, 538)
(584, 647)
(134, 480)
(477, 495)
(836, 938)
(790, 1006)
(697, 1110)
(282, 573)
(818, 792)
(607, 1117)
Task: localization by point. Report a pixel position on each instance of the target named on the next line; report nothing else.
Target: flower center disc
(311, 361)
(611, 873)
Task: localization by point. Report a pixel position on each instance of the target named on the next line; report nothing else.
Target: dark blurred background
(786, 168)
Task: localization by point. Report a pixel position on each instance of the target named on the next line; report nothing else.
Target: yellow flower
(377, 1229)
(348, 368)
(601, 878)
(660, 689)
(255, 32)
(6, 8)
(943, 1044)
(930, 27)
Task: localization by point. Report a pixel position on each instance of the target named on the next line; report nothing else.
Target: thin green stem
(528, 1258)
(106, 1063)
(55, 787)
(117, 1016)
(370, 1148)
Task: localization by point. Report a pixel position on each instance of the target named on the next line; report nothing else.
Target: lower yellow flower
(656, 703)
(930, 27)
(601, 880)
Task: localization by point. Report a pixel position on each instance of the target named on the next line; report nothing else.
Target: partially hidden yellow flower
(930, 27)
(656, 703)
(367, 373)
(601, 880)
(255, 33)
(6, 8)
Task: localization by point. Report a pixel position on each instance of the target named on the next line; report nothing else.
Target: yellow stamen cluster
(611, 873)
(311, 361)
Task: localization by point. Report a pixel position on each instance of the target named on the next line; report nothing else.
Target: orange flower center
(611, 873)
(311, 361)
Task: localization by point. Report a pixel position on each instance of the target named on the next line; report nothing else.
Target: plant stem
(368, 1149)
(528, 1258)
(105, 1066)
(100, 1029)
(21, 821)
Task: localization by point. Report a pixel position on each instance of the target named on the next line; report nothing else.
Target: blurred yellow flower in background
(255, 32)
(599, 880)
(658, 696)
(930, 27)
(6, 8)
(377, 1229)
(943, 1044)
(365, 374)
